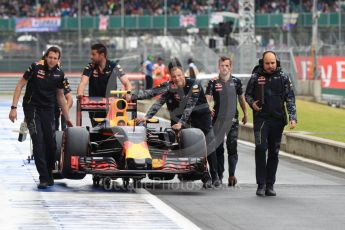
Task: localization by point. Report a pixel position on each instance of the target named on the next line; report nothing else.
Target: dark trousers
(211, 153)
(268, 134)
(149, 81)
(41, 126)
(231, 146)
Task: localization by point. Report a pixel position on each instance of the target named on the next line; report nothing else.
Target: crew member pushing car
(187, 106)
(101, 75)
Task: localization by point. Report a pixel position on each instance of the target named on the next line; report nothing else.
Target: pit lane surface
(70, 204)
(309, 197)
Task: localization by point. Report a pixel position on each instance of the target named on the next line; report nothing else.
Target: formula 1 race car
(118, 147)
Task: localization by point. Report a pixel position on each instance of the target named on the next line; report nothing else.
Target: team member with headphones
(268, 91)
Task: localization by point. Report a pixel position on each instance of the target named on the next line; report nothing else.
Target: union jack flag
(188, 20)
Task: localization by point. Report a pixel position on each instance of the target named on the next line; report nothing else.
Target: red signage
(331, 70)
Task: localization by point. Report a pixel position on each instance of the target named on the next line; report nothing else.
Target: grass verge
(317, 120)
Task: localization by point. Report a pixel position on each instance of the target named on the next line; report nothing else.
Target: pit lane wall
(320, 149)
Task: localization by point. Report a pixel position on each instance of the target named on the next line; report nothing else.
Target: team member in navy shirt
(101, 75)
(44, 81)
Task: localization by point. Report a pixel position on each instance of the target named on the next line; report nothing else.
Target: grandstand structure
(133, 29)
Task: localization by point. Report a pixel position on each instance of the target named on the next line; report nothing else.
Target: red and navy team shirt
(219, 91)
(41, 89)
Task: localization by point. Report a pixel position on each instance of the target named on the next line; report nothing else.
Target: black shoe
(51, 181)
(221, 180)
(270, 191)
(43, 185)
(206, 180)
(207, 184)
(51, 178)
(261, 190)
(217, 183)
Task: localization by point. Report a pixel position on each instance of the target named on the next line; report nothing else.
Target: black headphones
(261, 60)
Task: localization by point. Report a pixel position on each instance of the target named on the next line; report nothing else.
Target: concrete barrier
(321, 149)
(309, 88)
(316, 148)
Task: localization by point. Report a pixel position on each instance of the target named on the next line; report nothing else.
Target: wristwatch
(13, 107)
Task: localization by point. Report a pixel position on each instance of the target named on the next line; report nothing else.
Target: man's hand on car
(140, 120)
(177, 126)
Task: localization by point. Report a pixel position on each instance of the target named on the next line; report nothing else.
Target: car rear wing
(102, 104)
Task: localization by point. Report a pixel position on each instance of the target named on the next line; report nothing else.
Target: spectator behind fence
(192, 70)
(69, 8)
